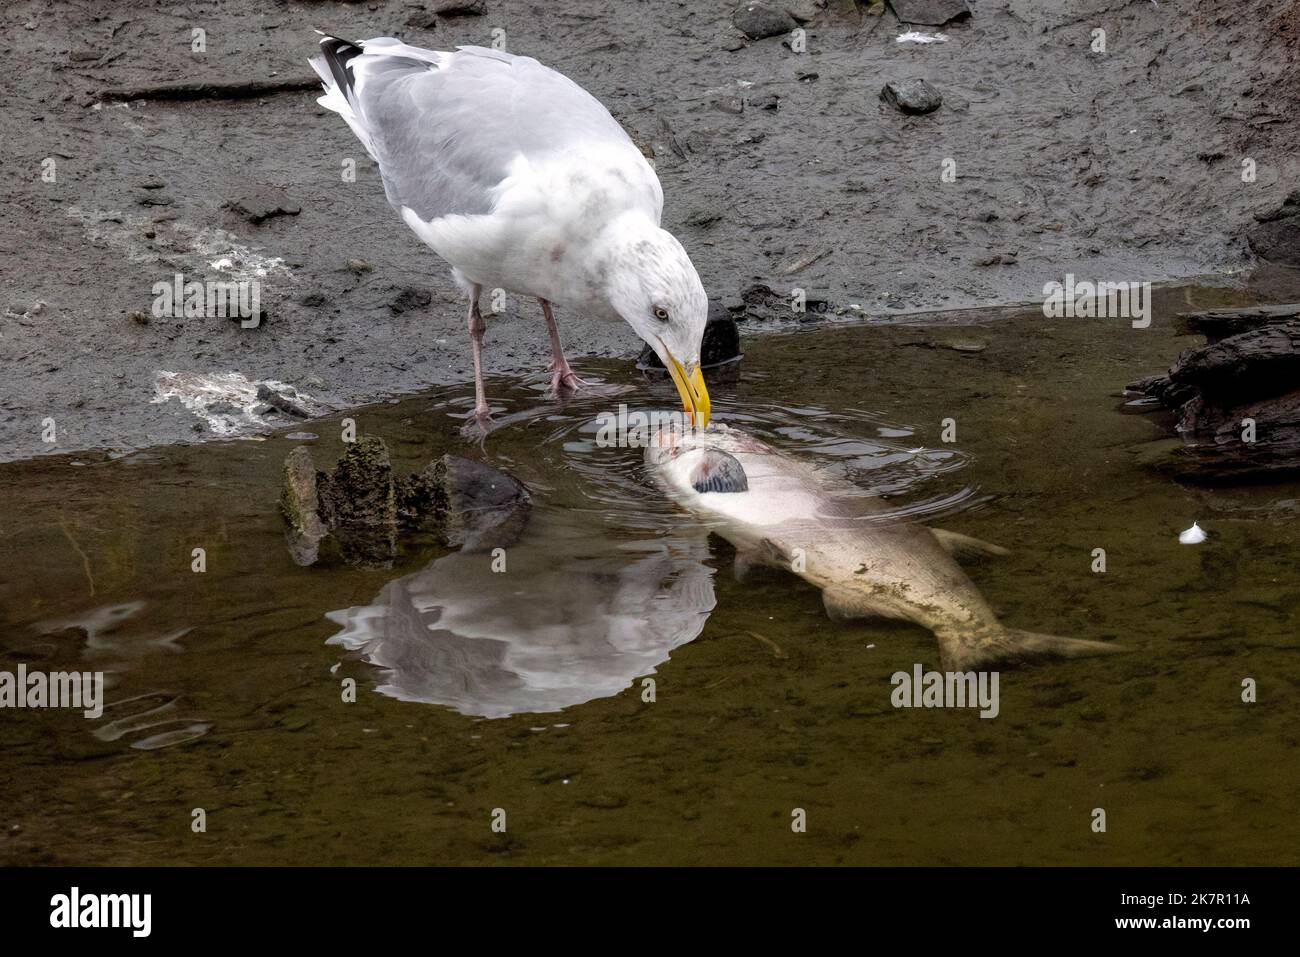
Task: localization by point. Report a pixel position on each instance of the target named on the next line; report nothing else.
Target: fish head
(691, 463)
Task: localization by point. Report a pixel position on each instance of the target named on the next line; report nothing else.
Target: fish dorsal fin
(719, 472)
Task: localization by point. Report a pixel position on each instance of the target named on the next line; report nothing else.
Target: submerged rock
(299, 503)
(360, 489)
(1236, 399)
(358, 503)
(475, 506)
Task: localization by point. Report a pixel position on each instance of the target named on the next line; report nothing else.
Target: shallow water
(528, 694)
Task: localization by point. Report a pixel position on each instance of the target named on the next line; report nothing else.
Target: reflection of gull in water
(571, 619)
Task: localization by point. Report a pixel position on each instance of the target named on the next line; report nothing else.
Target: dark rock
(720, 353)
(358, 504)
(769, 101)
(410, 298)
(763, 303)
(1255, 364)
(476, 506)
(153, 198)
(422, 20)
(418, 498)
(458, 8)
(1218, 324)
(260, 205)
(759, 20)
(360, 489)
(1250, 369)
(930, 13)
(914, 97)
(281, 402)
(720, 345)
(1277, 237)
(804, 10)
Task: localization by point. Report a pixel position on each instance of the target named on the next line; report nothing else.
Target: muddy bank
(779, 167)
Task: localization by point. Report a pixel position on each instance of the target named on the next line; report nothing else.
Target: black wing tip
(338, 54)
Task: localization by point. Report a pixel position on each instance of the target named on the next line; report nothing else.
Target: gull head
(652, 284)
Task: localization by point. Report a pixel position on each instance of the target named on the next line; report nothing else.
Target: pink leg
(562, 377)
(476, 329)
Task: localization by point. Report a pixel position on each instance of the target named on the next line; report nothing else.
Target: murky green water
(225, 695)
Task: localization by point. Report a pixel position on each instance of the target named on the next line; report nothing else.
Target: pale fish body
(778, 511)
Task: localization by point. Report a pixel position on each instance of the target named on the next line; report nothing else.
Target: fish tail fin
(964, 546)
(1011, 646)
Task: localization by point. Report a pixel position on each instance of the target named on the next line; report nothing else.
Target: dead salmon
(778, 511)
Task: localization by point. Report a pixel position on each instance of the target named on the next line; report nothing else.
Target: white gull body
(521, 180)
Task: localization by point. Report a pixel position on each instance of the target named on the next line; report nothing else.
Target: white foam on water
(226, 401)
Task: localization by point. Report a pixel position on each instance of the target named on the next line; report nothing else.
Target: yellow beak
(695, 397)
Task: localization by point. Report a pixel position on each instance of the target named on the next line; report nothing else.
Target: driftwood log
(1236, 399)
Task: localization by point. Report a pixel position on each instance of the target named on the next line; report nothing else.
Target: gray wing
(445, 127)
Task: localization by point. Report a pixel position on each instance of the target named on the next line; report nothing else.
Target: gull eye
(661, 313)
